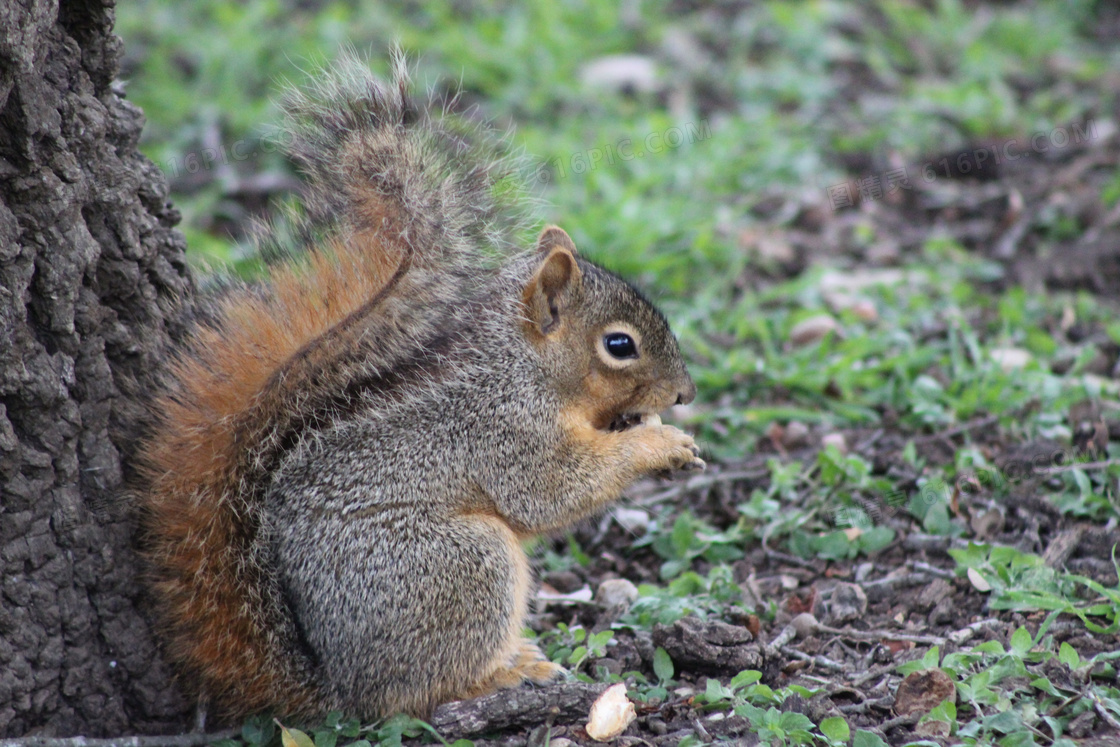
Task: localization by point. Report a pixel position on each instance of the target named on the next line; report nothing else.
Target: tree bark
(92, 280)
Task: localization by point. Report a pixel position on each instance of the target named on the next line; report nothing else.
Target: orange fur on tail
(199, 527)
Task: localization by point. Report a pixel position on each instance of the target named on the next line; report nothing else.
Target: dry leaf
(923, 691)
(610, 714)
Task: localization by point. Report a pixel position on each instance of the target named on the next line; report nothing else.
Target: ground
(888, 236)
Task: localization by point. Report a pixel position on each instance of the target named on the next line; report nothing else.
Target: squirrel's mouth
(627, 420)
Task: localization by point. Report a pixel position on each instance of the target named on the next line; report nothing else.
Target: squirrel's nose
(687, 393)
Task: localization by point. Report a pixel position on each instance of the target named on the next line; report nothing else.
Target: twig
(787, 634)
(887, 582)
(866, 705)
(700, 730)
(1107, 717)
(959, 429)
(787, 558)
(874, 635)
(891, 723)
(871, 674)
(821, 661)
(934, 570)
(695, 483)
(960, 636)
(1105, 464)
(171, 740)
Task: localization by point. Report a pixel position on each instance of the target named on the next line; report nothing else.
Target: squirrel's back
(402, 212)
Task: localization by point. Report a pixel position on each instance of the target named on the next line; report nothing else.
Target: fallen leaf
(897, 647)
(932, 728)
(610, 714)
(923, 691)
(812, 329)
(978, 581)
(294, 738)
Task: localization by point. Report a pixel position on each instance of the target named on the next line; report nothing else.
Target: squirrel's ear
(548, 291)
(554, 236)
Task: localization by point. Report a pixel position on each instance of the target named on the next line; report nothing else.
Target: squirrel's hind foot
(528, 664)
(533, 666)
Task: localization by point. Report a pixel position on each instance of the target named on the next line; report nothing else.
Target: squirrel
(348, 456)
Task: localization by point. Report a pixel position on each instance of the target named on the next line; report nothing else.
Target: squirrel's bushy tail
(442, 186)
(404, 208)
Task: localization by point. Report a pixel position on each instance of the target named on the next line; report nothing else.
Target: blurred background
(751, 164)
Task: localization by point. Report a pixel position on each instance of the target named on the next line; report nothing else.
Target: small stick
(957, 430)
(695, 483)
(822, 661)
(1077, 465)
(962, 635)
(934, 570)
(889, 724)
(1107, 717)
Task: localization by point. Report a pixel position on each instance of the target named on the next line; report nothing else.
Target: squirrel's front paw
(668, 448)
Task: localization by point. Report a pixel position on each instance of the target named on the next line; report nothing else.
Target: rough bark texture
(518, 708)
(90, 270)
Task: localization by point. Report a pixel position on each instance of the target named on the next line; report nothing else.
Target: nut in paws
(676, 449)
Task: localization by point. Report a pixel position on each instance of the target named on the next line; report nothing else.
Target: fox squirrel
(348, 456)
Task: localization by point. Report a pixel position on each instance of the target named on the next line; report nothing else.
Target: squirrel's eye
(620, 345)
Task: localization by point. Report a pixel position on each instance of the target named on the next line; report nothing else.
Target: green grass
(766, 90)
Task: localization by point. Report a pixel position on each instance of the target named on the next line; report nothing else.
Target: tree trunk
(92, 276)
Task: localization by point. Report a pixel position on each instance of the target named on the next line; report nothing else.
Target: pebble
(805, 625)
(837, 440)
(616, 592)
(1010, 359)
(622, 72)
(849, 602)
(795, 435)
(865, 310)
(634, 520)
